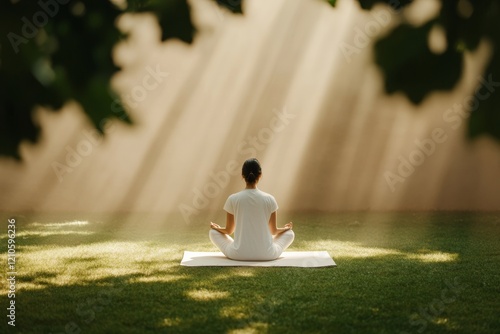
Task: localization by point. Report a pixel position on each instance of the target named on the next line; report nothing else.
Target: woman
(251, 214)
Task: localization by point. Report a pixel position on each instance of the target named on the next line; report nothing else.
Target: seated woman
(251, 214)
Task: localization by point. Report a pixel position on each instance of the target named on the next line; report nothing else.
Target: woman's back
(251, 215)
(252, 209)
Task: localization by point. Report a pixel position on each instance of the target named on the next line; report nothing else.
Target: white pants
(224, 243)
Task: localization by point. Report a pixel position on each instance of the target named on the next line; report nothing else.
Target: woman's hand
(219, 229)
(288, 226)
(229, 229)
(215, 226)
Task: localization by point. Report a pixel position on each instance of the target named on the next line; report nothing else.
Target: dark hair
(251, 170)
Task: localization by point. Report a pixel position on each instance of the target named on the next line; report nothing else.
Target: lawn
(396, 273)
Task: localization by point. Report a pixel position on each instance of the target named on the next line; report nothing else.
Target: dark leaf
(409, 65)
(486, 118)
(51, 63)
(233, 5)
(174, 17)
(395, 4)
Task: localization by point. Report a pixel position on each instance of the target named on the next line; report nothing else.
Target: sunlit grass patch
(234, 312)
(60, 224)
(52, 233)
(254, 327)
(90, 262)
(169, 322)
(434, 257)
(341, 249)
(205, 295)
(350, 249)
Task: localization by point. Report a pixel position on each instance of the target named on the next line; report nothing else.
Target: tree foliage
(411, 67)
(55, 51)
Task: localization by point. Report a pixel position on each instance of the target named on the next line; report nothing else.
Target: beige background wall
(213, 104)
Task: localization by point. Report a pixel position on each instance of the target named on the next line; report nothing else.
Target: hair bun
(251, 177)
(251, 170)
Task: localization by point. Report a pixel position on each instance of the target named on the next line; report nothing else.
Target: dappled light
(234, 311)
(117, 270)
(52, 233)
(87, 263)
(256, 327)
(434, 257)
(161, 277)
(146, 260)
(355, 250)
(169, 322)
(358, 117)
(206, 295)
(62, 224)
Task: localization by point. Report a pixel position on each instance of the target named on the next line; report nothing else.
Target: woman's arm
(229, 225)
(273, 227)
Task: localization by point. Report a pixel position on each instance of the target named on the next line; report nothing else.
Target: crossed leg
(222, 241)
(280, 242)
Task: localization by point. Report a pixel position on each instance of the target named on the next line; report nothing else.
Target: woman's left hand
(215, 226)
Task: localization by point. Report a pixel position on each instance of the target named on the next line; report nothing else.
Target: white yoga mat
(287, 259)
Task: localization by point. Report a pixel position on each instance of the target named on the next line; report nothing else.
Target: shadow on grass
(380, 293)
(367, 295)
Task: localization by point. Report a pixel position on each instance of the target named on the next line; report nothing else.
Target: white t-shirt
(252, 209)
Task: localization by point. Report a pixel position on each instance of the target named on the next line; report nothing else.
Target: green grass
(121, 274)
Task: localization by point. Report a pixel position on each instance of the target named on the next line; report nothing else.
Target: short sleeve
(229, 207)
(273, 205)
